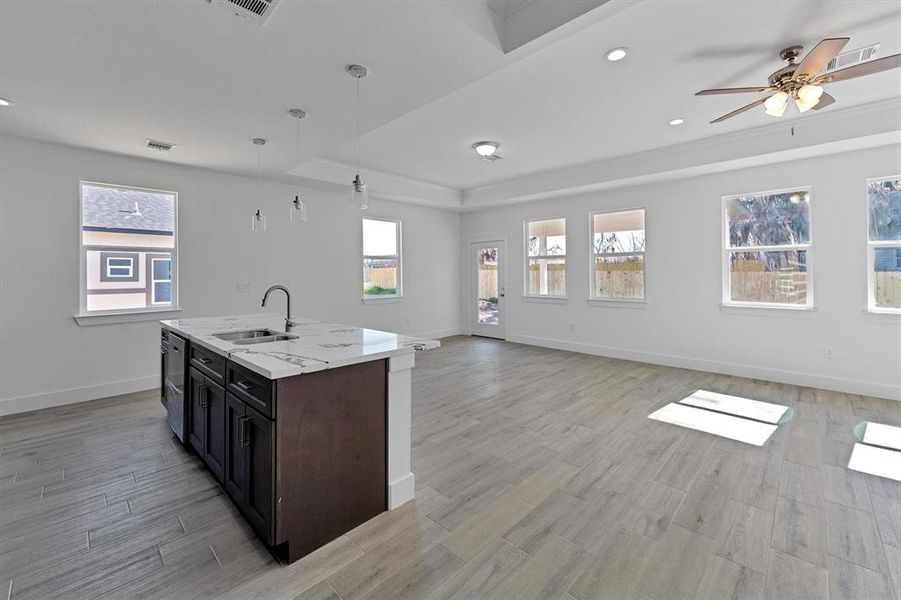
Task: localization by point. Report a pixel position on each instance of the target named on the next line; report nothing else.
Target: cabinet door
(235, 454)
(214, 430)
(258, 444)
(197, 392)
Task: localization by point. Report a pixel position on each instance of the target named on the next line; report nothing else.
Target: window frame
(592, 255)
(398, 232)
(872, 245)
(98, 317)
(153, 280)
(727, 252)
(526, 257)
(130, 267)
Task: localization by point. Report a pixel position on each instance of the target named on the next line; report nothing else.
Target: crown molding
(858, 127)
(383, 185)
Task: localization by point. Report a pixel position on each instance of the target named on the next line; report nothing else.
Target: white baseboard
(400, 491)
(838, 384)
(20, 404)
(439, 333)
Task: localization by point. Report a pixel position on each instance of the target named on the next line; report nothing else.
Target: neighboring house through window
(618, 255)
(884, 244)
(381, 258)
(766, 249)
(128, 249)
(546, 258)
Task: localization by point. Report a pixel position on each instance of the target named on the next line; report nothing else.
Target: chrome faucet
(288, 322)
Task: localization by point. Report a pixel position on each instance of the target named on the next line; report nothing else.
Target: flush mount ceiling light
(487, 150)
(616, 54)
(359, 191)
(677, 121)
(5, 102)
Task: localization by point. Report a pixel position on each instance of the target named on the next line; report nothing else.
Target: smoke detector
(158, 145)
(259, 10)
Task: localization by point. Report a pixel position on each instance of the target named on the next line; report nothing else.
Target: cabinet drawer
(254, 389)
(209, 363)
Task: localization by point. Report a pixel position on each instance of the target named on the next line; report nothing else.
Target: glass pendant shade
(258, 222)
(359, 193)
(808, 97)
(298, 211)
(775, 104)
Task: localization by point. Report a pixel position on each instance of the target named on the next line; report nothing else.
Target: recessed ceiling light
(677, 121)
(5, 102)
(616, 54)
(485, 149)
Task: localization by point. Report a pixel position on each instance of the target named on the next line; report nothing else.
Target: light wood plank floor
(538, 476)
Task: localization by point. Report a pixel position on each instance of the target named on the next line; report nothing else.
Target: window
(884, 244)
(381, 258)
(128, 249)
(766, 257)
(618, 253)
(546, 258)
(161, 272)
(119, 267)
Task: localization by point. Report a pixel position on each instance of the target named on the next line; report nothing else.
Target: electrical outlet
(242, 286)
(828, 353)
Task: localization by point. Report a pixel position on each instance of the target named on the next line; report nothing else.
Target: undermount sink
(254, 336)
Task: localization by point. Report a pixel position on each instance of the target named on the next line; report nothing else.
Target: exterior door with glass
(487, 299)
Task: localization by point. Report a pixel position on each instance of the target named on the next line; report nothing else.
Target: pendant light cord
(358, 124)
(298, 142)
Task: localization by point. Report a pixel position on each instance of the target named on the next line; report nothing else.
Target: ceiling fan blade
(739, 110)
(825, 100)
(817, 59)
(741, 90)
(867, 68)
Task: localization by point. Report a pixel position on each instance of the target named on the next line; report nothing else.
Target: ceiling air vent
(254, 9)
(852, 57)
(158, 145)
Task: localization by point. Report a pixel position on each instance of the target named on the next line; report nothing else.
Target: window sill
(762, 309)
(546, 299)
(890, 312)
(383, 299)
(111, 318)
(617, 302)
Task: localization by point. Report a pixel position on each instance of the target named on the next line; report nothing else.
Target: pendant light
(298, 206)
(258, 222)
(359, 193)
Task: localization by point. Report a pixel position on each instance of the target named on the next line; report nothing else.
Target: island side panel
(331, 471)
(400, 417)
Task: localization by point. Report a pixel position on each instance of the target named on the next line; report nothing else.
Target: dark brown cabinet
(249, 464)
(304, 458)
(206, 429)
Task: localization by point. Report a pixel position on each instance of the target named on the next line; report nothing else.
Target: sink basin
(275, 337)
(242, 335)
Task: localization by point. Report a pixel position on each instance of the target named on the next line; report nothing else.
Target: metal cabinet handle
(244, 385)
(242, 432)
(164, 350)
(204, 398)
(206, 361)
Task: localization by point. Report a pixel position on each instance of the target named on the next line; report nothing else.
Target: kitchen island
(307, 429)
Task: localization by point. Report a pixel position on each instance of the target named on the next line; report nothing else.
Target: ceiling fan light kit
(803, 82)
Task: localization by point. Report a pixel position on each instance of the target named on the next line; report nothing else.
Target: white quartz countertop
(318, 345)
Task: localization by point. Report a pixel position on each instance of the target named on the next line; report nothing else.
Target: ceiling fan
(801, 81)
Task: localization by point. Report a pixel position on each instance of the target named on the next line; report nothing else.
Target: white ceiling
(107, 75)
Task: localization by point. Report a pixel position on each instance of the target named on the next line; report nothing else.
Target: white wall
(682, 323)
(46, 358)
